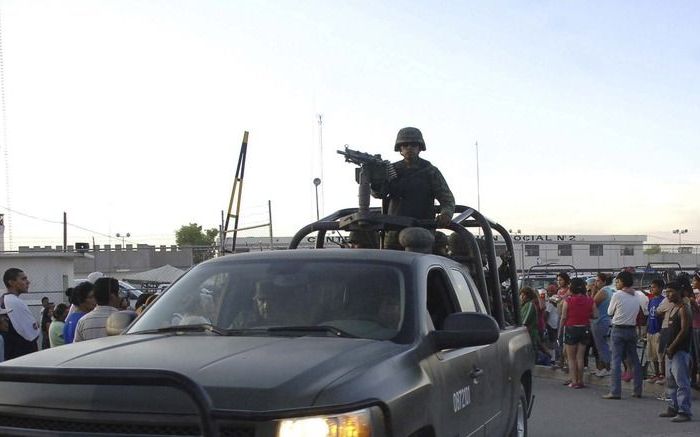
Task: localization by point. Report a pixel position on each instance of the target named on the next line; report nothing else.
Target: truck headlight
(354, 424)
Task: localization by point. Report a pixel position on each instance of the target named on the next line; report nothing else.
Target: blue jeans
(678, 382)
(600, 336)
(624, 345)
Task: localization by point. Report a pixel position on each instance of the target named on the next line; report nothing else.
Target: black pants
(16, 345)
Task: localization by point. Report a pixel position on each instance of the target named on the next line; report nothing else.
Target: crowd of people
(575, 317)
(567, 322)
(85, 318)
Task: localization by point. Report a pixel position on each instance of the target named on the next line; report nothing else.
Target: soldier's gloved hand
(443, 220)
(377, 174)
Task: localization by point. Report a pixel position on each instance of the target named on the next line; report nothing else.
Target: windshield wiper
(202, 327)
(313, 328)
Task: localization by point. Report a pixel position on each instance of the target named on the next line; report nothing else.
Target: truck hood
(241, 373)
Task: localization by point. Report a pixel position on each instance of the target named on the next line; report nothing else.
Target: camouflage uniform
(413, 193)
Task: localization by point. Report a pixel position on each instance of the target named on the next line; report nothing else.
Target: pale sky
(129, 115)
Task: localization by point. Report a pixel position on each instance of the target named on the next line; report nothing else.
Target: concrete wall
(118, 260)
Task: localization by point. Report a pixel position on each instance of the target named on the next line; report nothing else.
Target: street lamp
(317, 182)
(522, 249)
(680, 232)
(123, 236)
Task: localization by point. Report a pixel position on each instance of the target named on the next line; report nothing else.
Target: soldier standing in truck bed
(417, 185)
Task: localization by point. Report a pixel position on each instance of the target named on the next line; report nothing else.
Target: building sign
(336, 239)
(536, 238)
(528, 238)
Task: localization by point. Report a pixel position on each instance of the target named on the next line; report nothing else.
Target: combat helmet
(409, 135)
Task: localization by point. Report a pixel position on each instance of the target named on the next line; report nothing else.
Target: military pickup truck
(314, 342)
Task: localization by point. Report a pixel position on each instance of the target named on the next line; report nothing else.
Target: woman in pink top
(577, 312)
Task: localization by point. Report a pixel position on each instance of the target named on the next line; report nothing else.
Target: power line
(55, 222)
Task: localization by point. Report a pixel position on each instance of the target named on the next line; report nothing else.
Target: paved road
(561, 411)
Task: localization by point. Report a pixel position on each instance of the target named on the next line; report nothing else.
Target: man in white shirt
(94, 324)
(624, 307)
(21, 337)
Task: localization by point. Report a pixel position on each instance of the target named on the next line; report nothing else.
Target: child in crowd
(654, 330)
(56, 327)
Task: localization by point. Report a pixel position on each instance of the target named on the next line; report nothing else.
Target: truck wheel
(520, 426)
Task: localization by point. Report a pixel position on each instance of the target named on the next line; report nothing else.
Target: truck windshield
(358, 299)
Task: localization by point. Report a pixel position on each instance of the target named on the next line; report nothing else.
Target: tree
(192, 235)
(653, 250)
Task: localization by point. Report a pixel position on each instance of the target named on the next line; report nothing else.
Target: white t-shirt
(552, 315)
(624, 308)
(21, 317)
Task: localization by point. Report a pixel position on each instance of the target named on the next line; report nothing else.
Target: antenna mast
(320, 153)
(478, 190)
(3, 116)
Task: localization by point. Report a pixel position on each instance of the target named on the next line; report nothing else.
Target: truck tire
(520, 424)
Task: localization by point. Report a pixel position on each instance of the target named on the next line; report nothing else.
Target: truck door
(493, 372)
(457, 371)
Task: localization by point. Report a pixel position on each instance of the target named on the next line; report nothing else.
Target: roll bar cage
(372, 219)
(666, 269)
(550, 268)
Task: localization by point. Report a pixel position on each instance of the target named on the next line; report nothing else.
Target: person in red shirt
(577, 311)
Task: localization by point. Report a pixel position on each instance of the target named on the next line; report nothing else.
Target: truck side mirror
(465, 330)
(119, 321)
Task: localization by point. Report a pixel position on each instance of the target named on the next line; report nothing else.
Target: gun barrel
(360, 158)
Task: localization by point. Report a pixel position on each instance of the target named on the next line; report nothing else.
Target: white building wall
(49, 275)
(548, 246)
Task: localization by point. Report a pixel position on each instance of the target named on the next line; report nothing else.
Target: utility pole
(269, 212)
(94, 255)
(65, 232)
(222, 235)
(478, 188)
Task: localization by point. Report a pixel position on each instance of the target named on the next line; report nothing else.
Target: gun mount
(372, 169)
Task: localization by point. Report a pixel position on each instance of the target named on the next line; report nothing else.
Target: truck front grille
(8, 423)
